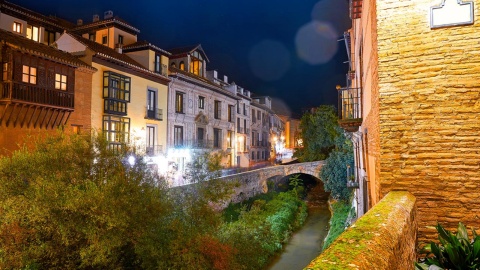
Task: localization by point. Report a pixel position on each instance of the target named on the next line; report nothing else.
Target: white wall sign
(451, 13)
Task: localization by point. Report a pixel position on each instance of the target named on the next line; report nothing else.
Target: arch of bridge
(254, 182)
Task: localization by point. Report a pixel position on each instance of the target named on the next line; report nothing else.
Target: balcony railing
(241, 130)
(350, 108)
(199, 144)
(154, 150)
(14, 91)
(156, 114)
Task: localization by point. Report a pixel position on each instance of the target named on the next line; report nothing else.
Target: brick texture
(429, 108)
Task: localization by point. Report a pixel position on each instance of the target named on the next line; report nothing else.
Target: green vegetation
(455, 251)
(262, 227)
(338, 222)
(334, 172)
(71, 203)
(318, 131)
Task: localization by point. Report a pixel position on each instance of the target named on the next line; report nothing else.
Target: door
(151, 104)
(150, 142)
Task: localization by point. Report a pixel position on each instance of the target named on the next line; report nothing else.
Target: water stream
(305, 245)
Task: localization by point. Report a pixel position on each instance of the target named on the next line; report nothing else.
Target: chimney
(96, 18)
(108, 14)
(225, 78)
(215, 74)
(79, 22)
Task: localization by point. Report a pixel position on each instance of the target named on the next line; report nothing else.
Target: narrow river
(305, 245)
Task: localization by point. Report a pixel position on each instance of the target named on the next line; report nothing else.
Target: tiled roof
(29, 15)
(187, 50)
(143, 45)
(29, 46)
(103, 50)
(200, 80)
(102, 23)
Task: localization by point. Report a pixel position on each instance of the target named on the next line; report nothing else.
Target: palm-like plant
(455, 251)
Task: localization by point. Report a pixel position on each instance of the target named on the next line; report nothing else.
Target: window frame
(116, 129)
(231, 116)
(178, 136)
(217, 109)
(34, 32)
(201, 102)
(61, 82)
(217, 138)
(179, 102)
(28, 77)
(17, 27)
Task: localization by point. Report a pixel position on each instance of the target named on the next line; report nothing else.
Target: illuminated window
(17, 27)
(201, 102)
(116, 129)
(32, 33)
(229, 138)
(196, 64)
(60, 82)
(116, 93)
(179, 102)
(29, 75)
(182, 65)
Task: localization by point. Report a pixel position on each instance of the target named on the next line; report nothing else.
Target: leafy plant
(295, 183)
(455, 251)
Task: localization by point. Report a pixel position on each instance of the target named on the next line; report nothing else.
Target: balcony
(195, 144)
(154, 150)
(31, 94)
(350, 108)
(155, 114)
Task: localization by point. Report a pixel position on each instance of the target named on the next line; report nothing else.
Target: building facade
(412, 106)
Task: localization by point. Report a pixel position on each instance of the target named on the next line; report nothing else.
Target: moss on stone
(367, 243)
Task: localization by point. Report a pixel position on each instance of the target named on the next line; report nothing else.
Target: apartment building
(201, 113)
(411, 106)
(261, 147)
(130, 88)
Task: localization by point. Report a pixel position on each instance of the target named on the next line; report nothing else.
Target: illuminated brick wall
(429, 108)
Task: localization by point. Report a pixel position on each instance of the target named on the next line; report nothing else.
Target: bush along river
(306, 243)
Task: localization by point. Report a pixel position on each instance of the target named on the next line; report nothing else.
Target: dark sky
(286, 49)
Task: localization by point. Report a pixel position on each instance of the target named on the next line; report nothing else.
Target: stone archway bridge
(254, 182)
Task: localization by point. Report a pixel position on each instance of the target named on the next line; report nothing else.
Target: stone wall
(384, 238)
(429, 81)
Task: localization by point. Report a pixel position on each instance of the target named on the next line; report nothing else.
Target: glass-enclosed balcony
(349, 108)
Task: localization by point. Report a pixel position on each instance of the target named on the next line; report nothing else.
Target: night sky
(284, 49)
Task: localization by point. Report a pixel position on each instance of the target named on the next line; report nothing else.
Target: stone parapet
(384, 238)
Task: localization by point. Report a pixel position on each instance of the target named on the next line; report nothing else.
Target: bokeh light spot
(269, 60)
(316, 43)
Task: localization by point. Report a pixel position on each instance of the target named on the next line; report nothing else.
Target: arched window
(182, 65)
(173, 65)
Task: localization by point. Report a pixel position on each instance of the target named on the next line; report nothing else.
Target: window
(229, 138)
(230, 113)
(200, 137)
(116, 129)
(158, 63)
(4, 71)
(253, 116)
(217, 137)
(116, 92)
(150, 140)
(258, 115)
(152, 111)
(178, 136)
(196, 64)
(181, 65)
(104, 40)
(17, 27)
(29, 74)
(245, 125)
(238, 107)
(32, 33)
(238, 125)
(201, 102)
(76, 129)
(49, 37)
(173, 65)
(217, 113)
(244, 109)
(179, 102)
(91, 36)
(120, 39)
(60, 81)
(253, 155)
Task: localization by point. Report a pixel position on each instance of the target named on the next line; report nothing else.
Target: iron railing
(349, 103)
(154, 113)
(154, 150)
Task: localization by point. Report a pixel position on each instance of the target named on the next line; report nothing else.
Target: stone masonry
(429, 108)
